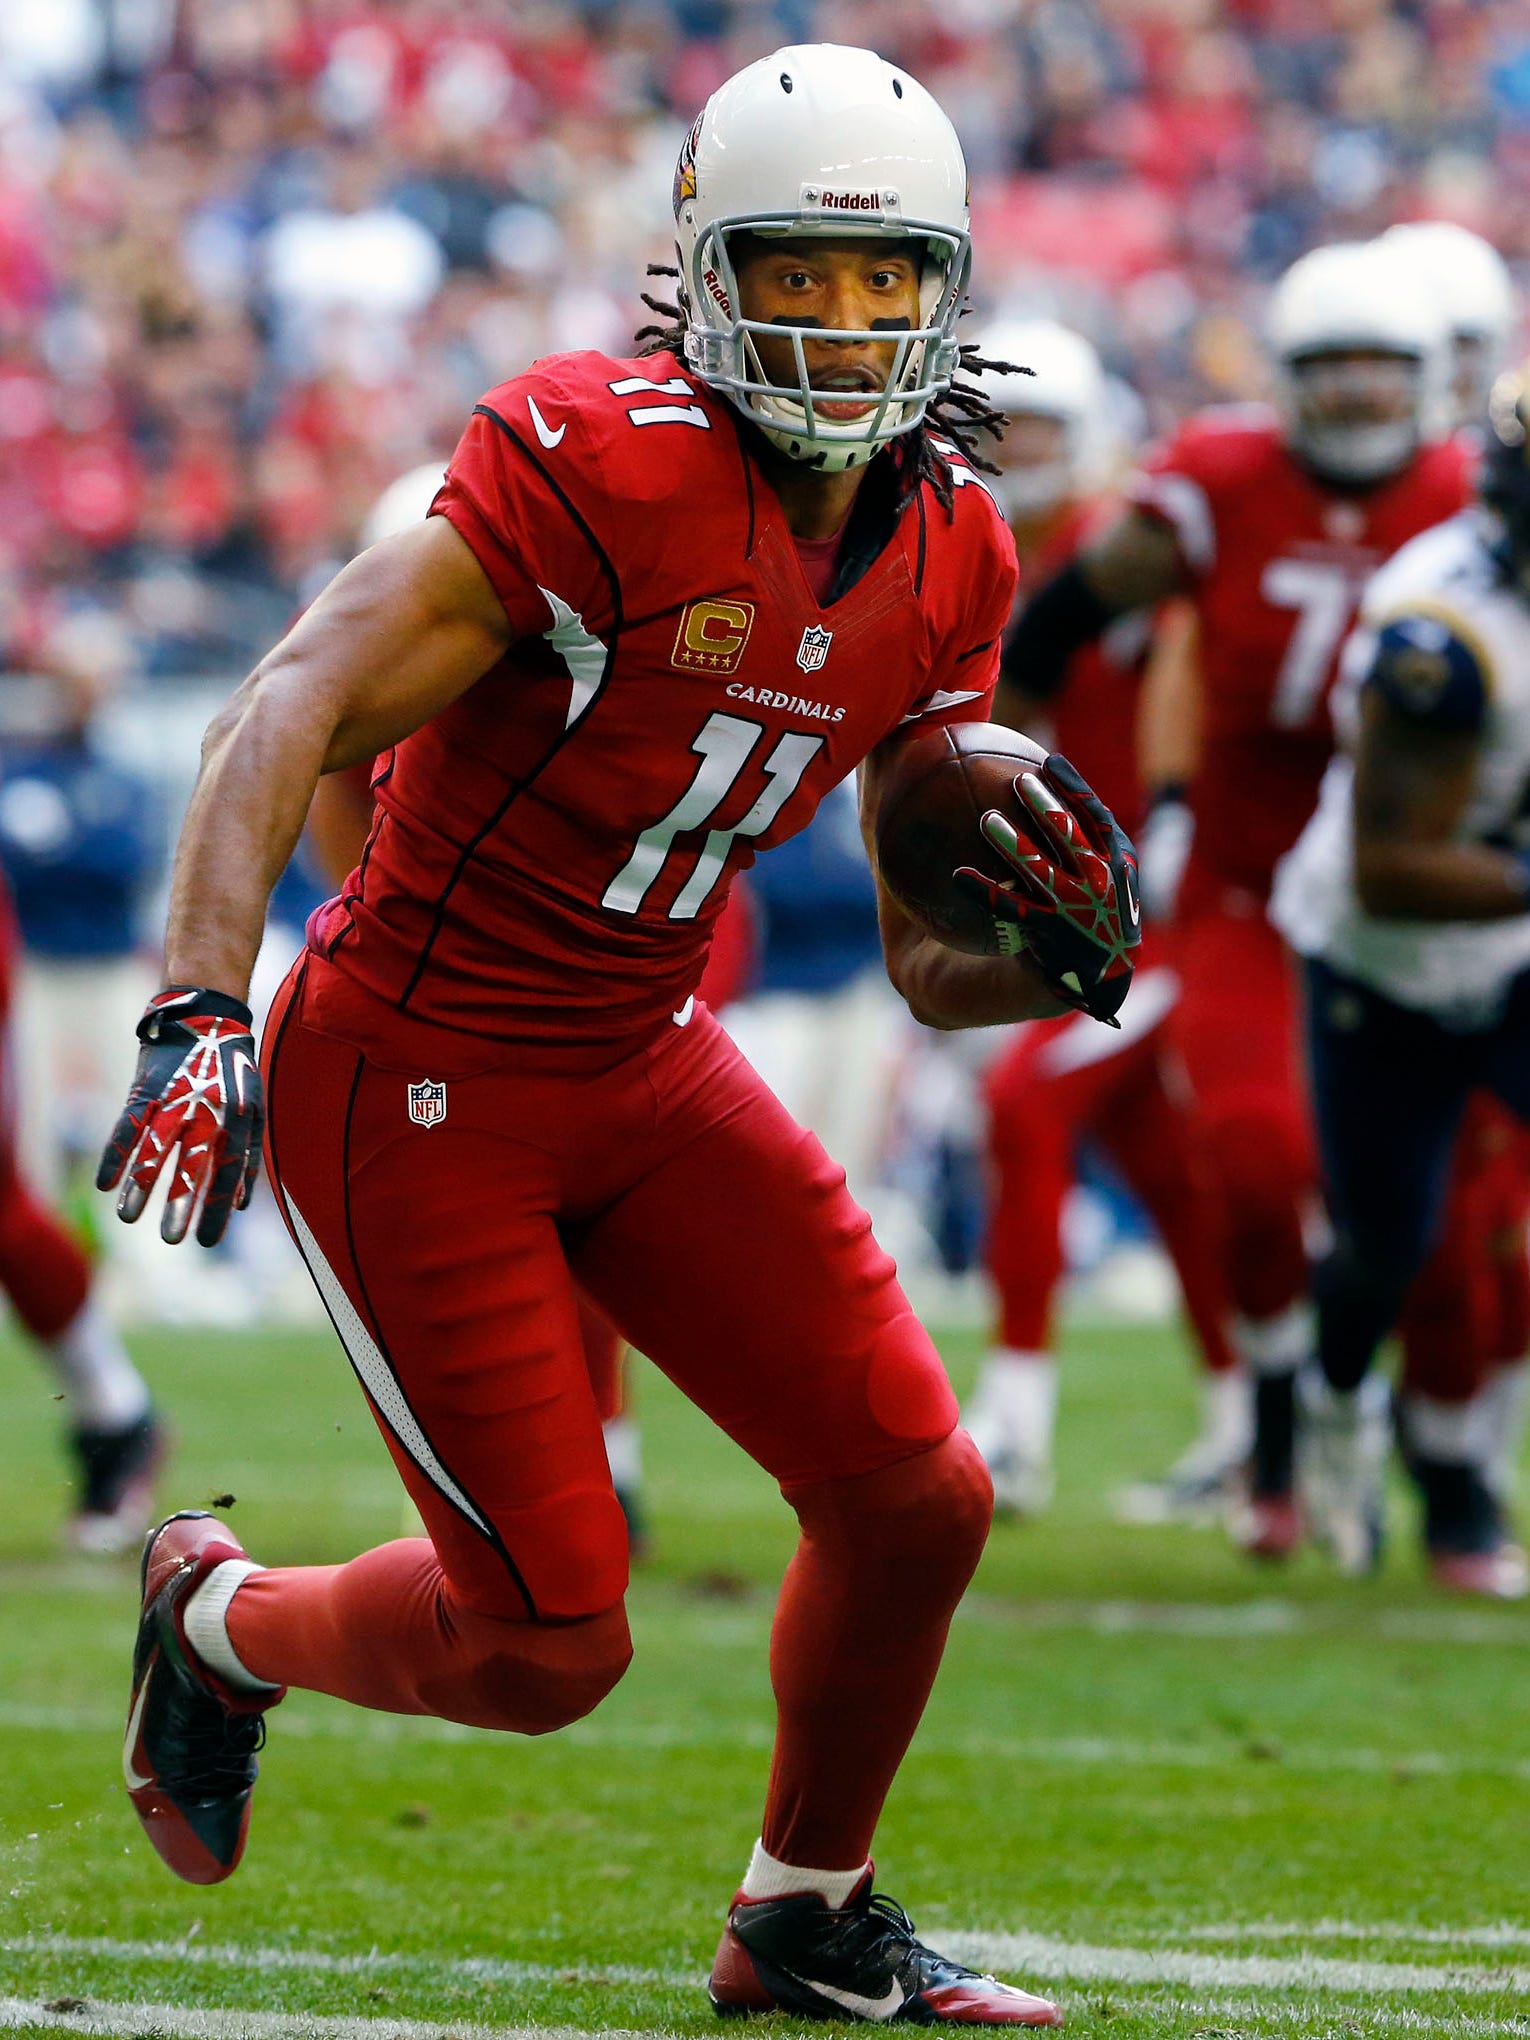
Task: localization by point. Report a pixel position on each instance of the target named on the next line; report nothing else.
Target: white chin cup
(1358, 453)
(826, 456)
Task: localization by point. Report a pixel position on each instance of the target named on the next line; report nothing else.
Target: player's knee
(536, 1678)
(965, 1499)
(924, 1520)
(577, 1690)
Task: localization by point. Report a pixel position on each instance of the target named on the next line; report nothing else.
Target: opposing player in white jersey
(1409, 895)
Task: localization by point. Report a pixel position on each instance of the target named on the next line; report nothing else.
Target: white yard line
(1263, 1617)
(1038, 1958)
(268, 1958)
(1084, 1751)
(1043, 1955)
(112, 2020)
(127, 2020)
(1492, 1934)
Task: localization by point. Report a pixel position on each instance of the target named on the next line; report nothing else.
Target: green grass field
(1189, 1798)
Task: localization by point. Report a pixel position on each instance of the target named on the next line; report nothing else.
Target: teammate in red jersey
(1272, 522)
(621, 656)
(1062, 1081)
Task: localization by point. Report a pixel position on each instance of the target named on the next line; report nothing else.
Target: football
(941, 784)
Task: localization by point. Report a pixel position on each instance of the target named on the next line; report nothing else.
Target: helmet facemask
(1359, 449)
(722, 346)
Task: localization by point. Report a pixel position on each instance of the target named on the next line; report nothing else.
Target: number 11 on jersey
(725, 744)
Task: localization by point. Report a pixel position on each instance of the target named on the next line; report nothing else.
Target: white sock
(1507, 1399)
(1227, 1412)
(106, 1391)
(206, 1625)
(1457, 1433)
(767, 1878)
(624, 1451)
(1014, 1406)
(1279, 1344)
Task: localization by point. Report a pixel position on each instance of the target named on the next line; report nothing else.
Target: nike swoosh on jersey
(135, 1783)
(863, 2007)
(545, 432)
(942, 699)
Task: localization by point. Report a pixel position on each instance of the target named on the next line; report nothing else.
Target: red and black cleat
(189, 1753)
(863, 1961)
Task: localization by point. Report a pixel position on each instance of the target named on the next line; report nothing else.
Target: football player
(661, 606)
(1272, 521)
(1471, 281)
(1465, 1327)
(115, 1437)
(1409, 894)
(1055, 1083)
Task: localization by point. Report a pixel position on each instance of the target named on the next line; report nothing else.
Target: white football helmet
(1358, 297)
(404, 502)
(1067, 382)
(1471, 280)
(821, 140)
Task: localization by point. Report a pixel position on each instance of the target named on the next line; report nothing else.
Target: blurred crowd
(257, 257)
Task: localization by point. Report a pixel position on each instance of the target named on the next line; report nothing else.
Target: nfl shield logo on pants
(427, 1103)
(814, 648)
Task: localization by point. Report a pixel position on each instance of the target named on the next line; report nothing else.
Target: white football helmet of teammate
(1060, 437)
(1471, 280)
(404, 502)
(821, 140)
(1361, 355)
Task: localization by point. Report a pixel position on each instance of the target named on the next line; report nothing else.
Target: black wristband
(1060, 617)
(191, 1002)
(1170, 793)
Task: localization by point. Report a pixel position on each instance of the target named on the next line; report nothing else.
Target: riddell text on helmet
(850, 201)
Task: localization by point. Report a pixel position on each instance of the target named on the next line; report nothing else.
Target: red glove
(1072, 904)
(197, 1089)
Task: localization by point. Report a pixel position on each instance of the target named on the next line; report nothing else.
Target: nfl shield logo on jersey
(427, 1103)
(814, 648)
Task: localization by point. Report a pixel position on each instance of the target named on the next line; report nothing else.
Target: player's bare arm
(1133, 564)
(1170, 722)
(941, 987)
(1412, 786)
(399, 633)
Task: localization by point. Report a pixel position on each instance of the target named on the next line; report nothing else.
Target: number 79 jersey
(550, 852)
(1278, 561)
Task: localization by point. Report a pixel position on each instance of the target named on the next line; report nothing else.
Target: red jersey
(550, 851)
(1277, 560)
(1094, 713)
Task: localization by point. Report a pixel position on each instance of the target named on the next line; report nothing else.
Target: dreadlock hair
(962, 415)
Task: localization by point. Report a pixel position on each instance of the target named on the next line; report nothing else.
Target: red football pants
(1236, 1028)
(1468, 1311)
(44, 1270)
(1059, 1081)
(721, 1241)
